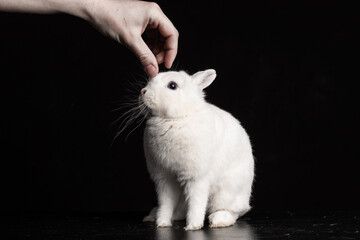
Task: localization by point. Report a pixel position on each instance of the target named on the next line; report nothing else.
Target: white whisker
(140, 122)
(132, 109)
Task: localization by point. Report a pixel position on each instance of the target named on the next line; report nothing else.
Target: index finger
(171, 35)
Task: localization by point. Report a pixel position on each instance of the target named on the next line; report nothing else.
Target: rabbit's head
(174, 95)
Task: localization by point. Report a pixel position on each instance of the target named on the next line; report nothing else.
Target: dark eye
(172, 85)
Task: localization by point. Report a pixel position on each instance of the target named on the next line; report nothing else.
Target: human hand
(126, 21)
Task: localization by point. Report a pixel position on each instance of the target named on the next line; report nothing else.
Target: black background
(288, 72)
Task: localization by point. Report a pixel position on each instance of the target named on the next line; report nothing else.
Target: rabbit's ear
(204, 78)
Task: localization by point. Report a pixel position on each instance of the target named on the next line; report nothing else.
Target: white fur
(198, 155)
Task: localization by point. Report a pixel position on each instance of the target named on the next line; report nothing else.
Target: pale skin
(122, 20)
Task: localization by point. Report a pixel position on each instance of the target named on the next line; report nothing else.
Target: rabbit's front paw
(221, 219)
(192, 227)
(160, 223)
(163, 224)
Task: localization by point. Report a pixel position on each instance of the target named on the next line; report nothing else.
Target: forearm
(123, 20)
(73, 7)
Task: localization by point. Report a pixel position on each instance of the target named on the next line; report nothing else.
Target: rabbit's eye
(172, 85)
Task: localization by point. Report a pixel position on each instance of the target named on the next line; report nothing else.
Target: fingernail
(151, 70)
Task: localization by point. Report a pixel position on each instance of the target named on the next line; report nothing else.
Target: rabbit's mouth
(147, 105)
(148, 102)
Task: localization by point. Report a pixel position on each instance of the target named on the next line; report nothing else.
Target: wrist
(76, 8)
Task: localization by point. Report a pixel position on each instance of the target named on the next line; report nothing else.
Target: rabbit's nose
(143, 92)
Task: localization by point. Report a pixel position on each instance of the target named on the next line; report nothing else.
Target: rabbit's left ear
(204, 78)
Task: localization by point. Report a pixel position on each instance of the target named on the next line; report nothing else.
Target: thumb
(145, 56)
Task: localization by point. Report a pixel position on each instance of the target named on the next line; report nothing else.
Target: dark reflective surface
(338, 225)
(241, 230)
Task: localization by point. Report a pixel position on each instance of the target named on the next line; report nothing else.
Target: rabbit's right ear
(204, 78)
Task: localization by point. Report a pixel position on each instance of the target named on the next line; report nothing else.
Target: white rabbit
(198, 155)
